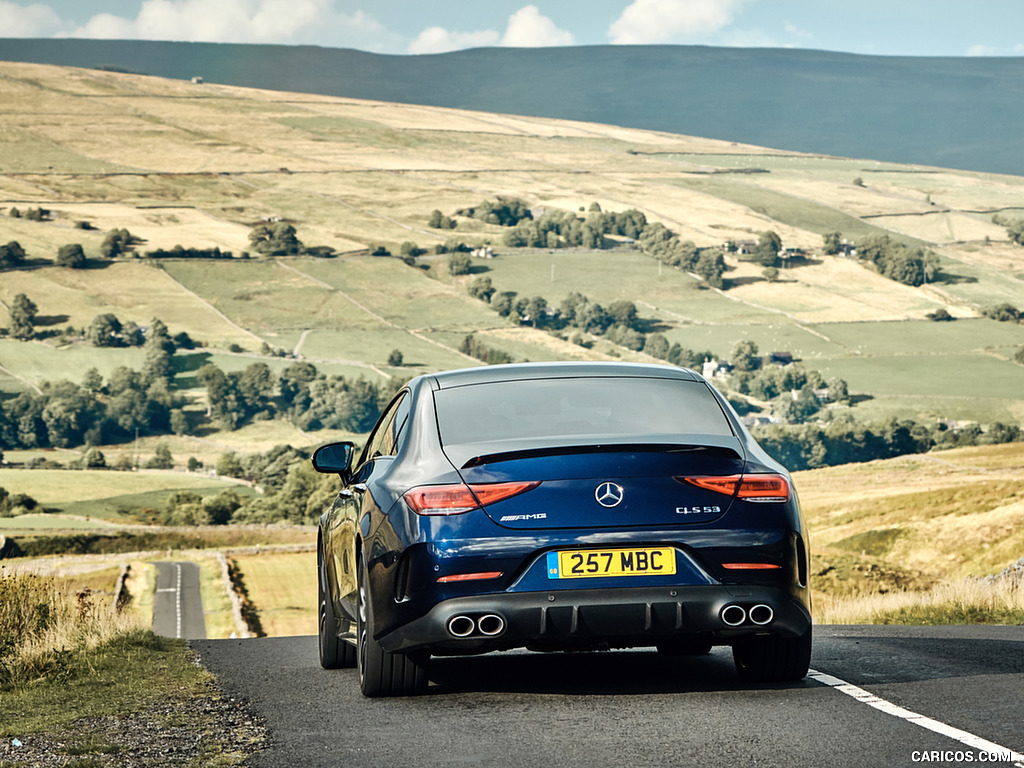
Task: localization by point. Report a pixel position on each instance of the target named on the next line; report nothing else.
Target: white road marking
(964, 737)
(177, 597)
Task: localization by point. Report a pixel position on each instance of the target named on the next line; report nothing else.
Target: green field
(348, 174)
(106, 494)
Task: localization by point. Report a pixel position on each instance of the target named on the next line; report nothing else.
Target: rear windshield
(548, 411)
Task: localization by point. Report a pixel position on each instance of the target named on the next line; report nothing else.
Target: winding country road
(878, 696)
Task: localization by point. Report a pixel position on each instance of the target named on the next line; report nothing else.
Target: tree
(395, 358)
(657, 346)
(93, 380)
(439, 221)
(838, 391)
(132, 335)
(11, 255)
(1004, 313)
(623, 312)
(228, 465)
(23, 312)
(94, 459)
(104, 331)
(744, 356)
(940, 315)
(222, 506)
(278, 239)
(1015, 230)
(481, 288)
(409, 251)
(768, 247)
(116, 243)
(179, 422)
(831, 243)
(71, 256)
(459, 264)
(161, 459)
(711, 266)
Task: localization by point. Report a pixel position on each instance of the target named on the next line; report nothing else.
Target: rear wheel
(382, 673)
(770, 659)
(335, 653)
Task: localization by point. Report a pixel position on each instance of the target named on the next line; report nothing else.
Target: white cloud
(795, 31)
(242, 21)
(662, 21)
(440, 40)
(35, 20)
(981, 50)
(527, 28)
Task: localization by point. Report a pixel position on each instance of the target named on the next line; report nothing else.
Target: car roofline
(559, 370)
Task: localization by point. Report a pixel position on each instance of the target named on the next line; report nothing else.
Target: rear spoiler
(479, 454)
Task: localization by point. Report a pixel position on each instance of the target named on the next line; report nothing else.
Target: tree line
(844, 441)
(896, 261)
(620, 323)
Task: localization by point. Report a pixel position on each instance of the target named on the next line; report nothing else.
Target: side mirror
(334, 458)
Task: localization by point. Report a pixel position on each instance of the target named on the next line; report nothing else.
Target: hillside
(951, 112)
(199, 165)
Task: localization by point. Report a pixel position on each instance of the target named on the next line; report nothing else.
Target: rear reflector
(459, 498)
(751, 566)
(759, 488)
(469, 577)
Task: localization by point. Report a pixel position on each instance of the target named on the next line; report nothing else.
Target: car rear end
(600, 506)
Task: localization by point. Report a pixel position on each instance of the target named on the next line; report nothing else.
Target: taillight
(757, 488)
(459, 498)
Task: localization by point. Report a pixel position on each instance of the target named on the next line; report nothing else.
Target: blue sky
(882, 27)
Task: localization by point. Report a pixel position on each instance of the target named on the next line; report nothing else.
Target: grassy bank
(966, 601)
(81, 679)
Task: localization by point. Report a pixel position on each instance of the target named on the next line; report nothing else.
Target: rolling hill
(950, 112)
(199, 165)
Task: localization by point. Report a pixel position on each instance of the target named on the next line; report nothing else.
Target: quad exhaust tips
(736, 615)
(485, 625)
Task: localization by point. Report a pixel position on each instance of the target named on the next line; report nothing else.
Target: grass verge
(79, 679)
(966, 601)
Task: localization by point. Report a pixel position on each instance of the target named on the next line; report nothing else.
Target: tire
(335, 653)
(770, 659)
(382, 673)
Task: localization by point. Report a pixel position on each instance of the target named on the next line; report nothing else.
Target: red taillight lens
(459, 498)
(769, 488)
(760, 488)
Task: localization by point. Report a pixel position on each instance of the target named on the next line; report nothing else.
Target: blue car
(559, 507)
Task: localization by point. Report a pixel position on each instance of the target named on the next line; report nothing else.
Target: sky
(877, 27)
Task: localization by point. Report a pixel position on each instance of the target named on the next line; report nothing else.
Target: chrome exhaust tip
(762, 614)
(733, 615)
(461, 626)
(492, 624)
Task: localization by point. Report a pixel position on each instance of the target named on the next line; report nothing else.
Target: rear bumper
(586, 618)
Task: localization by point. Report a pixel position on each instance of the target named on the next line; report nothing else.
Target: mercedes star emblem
(609, 494)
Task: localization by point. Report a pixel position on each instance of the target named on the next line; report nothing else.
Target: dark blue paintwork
(406, 553)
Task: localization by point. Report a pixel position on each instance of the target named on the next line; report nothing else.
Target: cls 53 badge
(698, 510)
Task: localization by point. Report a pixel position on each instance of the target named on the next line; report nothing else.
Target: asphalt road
(178, 604)
(884, 696)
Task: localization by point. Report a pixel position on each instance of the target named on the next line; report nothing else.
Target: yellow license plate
(590, 563)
